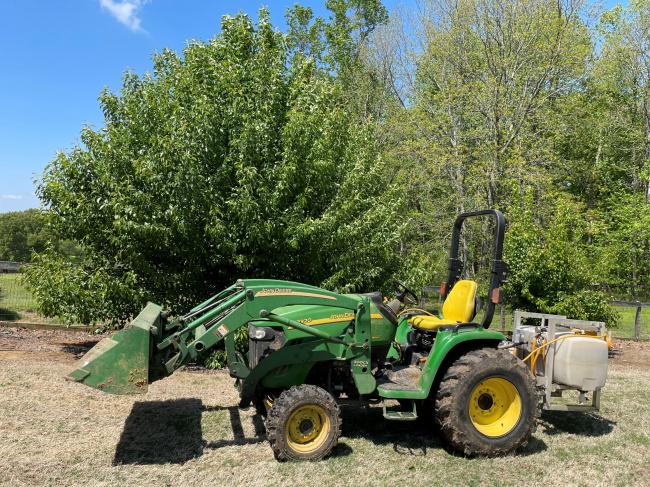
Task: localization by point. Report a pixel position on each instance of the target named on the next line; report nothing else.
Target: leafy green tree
(548, 259)
(603, 151)
(490, 88)
(21, 234)
(340, 152)
(238, 159)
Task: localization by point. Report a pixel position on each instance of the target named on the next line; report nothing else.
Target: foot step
(400, 415)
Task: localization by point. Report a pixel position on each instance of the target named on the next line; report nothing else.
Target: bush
(587, 305)
(238, 159)
(215, 358)
(548, 261)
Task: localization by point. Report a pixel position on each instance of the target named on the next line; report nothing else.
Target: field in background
(187, 430)
(15, 298)
(625, 326)
(18, 304)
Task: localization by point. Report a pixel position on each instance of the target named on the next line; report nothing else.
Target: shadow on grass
(159, 432)
(237, 428)
(411, 438)
(8, 315)
(575, 423)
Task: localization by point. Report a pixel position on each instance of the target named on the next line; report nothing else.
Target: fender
(446, 341)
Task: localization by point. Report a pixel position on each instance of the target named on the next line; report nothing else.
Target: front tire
(304, 423)
(486, 403)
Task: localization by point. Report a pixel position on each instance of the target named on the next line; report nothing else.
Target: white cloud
(11, 197)
(126, 12)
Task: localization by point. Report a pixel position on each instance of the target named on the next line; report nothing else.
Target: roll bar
(499, 269)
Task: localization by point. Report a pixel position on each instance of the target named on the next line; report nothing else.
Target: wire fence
(17, 304)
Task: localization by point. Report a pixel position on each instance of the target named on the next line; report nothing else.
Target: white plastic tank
(580, 362)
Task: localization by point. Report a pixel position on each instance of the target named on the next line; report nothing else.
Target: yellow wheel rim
(307, 428)
(495, 407)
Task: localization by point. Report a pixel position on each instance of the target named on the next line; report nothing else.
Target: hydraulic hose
(539, 349)
(407, 310)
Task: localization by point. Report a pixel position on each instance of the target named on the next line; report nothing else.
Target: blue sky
(58, 55)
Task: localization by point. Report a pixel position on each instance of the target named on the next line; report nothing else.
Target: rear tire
(486, 403)
(304, 423)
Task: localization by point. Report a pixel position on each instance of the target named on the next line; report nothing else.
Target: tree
(21, 234)
(490, 88)
(603, 147)
(238, 159)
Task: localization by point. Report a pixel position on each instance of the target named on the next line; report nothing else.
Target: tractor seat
(457, 308)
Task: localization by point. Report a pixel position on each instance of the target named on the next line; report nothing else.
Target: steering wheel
(402, 291)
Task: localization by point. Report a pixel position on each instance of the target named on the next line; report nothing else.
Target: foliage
(545, 258)
(522, 106)
(25, 232)
(85, 294)
(339, 153)
(216, 358)
(586, 304)
(548, 264)
(234, 160)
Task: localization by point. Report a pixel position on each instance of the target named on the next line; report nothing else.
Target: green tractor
(311, 350)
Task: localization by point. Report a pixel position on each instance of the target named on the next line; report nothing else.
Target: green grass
(14, 294)
(16, 301)
(187, 430)
(625, 327)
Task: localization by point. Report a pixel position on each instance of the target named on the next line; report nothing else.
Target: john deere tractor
(311, 350)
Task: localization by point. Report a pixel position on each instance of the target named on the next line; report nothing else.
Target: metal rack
(551, 389)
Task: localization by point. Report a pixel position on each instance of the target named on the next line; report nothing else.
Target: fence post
(637, 324)
(502, 317)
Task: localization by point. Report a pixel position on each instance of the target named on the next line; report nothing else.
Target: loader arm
(149, 348)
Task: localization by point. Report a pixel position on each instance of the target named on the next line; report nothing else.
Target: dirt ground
(187, 430)
(70, 345)
(61, 344)
(629, 352)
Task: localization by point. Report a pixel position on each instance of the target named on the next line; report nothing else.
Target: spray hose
(408, 310)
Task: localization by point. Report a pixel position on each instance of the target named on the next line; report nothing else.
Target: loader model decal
(337, 318)
(290, 292)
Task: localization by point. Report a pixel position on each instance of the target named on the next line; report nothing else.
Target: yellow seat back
(459, 304)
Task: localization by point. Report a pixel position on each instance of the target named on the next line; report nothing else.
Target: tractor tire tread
(282, 407)
(446, 401)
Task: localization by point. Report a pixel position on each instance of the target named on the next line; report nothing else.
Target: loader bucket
(120, 364)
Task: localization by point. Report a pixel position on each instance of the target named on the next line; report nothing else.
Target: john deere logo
(275, 290)
(346, 316)
(284, 291)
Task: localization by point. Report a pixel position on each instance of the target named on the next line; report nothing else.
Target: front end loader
(311, 350)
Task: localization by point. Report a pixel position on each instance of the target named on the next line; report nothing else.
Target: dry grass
(188, 431)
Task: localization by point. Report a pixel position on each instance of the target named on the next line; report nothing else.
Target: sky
(57, 56)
